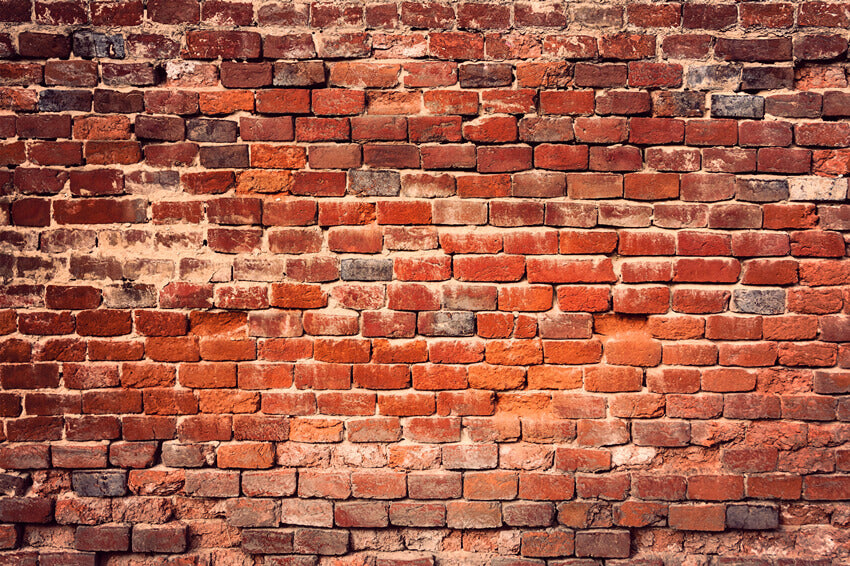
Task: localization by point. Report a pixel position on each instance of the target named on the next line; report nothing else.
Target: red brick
(527, 14)
(729, 160)
(715, 488)
(573, 102)
(609, 544)
(547, 544)
(434, 129)
(617, 158)
(774, 486)
(456, 45)
(605, 75)
(434, 485)
(650, 15)
(708, 517)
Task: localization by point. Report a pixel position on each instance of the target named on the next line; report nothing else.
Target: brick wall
(424, 283)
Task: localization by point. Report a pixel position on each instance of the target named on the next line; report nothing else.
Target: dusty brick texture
(424, 283)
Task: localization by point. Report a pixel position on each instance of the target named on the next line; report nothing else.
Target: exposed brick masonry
(424, 283)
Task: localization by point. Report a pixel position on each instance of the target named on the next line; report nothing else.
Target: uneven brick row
(434, 15)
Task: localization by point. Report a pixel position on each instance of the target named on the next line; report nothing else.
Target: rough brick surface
(419, 282)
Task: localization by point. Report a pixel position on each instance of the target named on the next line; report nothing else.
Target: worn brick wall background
(424, 283)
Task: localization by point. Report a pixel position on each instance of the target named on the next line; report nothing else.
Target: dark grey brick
(752, 517)
(762, 190)
(187, 455)
(714, 77)
(469, 297)
(89, 45)
(678, 103)
(366, 270)
(207, 130)
(64, 101)
(130, 295)
(485, 75)
(224, 156)
(143, 182)
(759, 301)
(767, 78)
(115, 102)
(374, 183)
(302, 73)
(737, 106)
(100, 484)
(447, 323)
(12, 483)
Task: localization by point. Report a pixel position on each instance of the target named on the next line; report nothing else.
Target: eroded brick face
(417, 283)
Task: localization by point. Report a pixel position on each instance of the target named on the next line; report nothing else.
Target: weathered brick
(159, 538)
(737, 106)
(752, 517)
(100, 484)
(759, 301)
